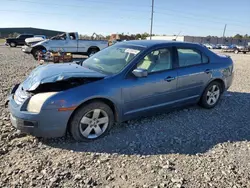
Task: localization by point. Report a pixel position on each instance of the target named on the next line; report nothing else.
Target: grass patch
(2, 41)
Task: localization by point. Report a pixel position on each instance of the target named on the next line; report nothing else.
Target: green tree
(107, 37)
(85, 37)
(246, 36)
(13, 35)
(144, 35)
(238, 36)
(138, 36)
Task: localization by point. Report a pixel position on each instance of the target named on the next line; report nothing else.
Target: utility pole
(152, 19)
(224, 33)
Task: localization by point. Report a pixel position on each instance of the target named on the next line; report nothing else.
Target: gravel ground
(192, 147)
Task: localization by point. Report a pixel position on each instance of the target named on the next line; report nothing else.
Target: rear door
(193, 73)
(58, 43)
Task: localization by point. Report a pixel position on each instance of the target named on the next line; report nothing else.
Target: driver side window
(72, 36)
(157, 60)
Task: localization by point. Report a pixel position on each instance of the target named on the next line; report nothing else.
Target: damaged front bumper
(47, 123)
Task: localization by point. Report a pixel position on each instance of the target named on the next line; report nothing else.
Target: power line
(187, 14)
(197, 18)
(62, 14)
(112, 2)
(75, 6)
(191, 25)
(196, 15)
(107, 21)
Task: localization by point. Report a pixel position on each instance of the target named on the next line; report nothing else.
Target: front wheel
(35, 53)
(13, 44)
(211, 95)
(92, 121)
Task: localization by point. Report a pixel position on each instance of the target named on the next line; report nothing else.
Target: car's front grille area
(20, 95)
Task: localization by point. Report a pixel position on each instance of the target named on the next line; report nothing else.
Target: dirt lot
(192, 147)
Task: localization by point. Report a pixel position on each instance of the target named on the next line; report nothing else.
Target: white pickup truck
(68, 42)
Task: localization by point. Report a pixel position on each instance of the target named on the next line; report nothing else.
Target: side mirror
(139, 73)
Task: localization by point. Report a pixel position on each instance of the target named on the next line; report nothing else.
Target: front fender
(38, 47)
(75, 97)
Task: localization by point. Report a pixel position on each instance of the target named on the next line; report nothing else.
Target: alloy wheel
(94, 123)
(12, 44)
(213, 94)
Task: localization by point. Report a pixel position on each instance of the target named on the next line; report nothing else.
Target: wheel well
(38, 47)
(221, 82)
(106, 101)
(93, 47)
(215, 80)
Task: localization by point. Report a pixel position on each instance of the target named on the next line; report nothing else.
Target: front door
(155, 91)
(59, 43)
(71, 43)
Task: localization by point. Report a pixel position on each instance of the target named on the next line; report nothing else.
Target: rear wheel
(211, 95)
(13, 44)
(92, 121)
(236, 51)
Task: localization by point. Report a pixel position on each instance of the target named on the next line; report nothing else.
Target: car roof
(151, 43)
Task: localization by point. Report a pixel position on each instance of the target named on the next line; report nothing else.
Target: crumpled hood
(57, 72)
(43, 42)
(34, 39)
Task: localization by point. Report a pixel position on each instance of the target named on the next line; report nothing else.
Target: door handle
(169, 78)
(208, 71)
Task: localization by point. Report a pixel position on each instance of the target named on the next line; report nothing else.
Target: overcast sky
(192, 17)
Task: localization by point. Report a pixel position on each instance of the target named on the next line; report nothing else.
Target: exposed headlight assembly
(34, 86)
(36, 101)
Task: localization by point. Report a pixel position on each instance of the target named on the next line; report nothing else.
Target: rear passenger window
(188, 57)
(204, 59)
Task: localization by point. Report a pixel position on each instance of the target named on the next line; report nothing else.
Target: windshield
(112, 60)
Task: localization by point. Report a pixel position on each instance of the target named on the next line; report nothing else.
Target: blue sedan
(122, 82)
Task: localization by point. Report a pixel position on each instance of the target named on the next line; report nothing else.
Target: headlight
(36, 101)
(34, 86)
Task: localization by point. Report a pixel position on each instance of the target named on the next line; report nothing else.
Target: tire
(205, 102)
(84, 126)
(244, 52)
(13, 44)
(236, 51)
(92, 51)
(35, 53)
